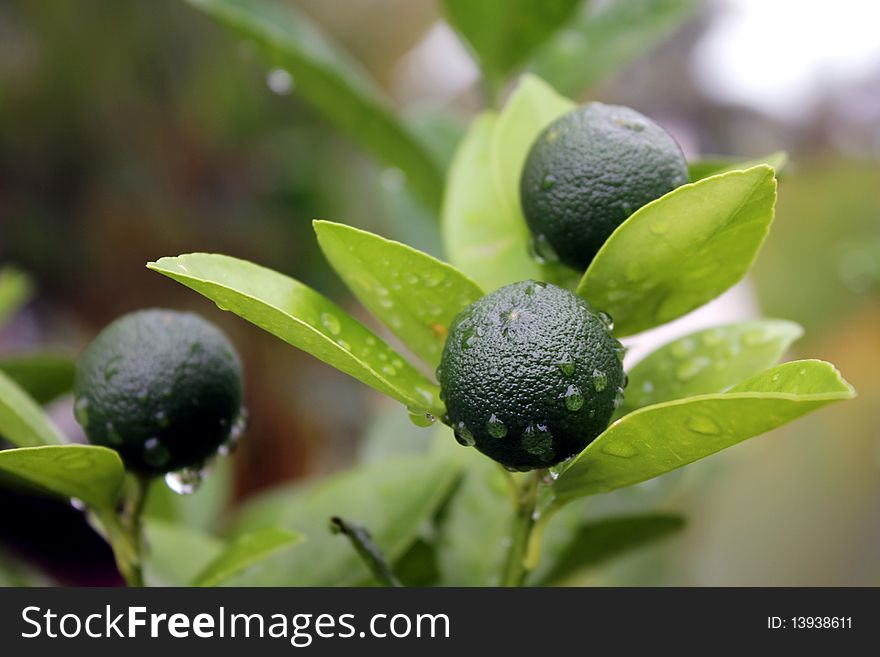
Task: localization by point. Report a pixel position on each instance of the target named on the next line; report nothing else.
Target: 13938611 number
(821, 622)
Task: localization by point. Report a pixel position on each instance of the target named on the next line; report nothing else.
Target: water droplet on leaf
(331, 323)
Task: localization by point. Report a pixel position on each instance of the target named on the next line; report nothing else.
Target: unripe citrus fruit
(163, 388)
(588, 171)
(530, 375)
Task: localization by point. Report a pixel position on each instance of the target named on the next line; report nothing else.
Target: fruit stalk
(515, 568)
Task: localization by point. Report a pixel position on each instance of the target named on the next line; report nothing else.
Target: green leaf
(309, 321)
(603, 37)
(415, 295)
(656, 439)
(477, 522)
(86, 472)
(362, 542)
(484, 232)
(244, 551)
(22, 421)
(712, 166)
(394, 498)
(503, 33)
(15, 290)
(682, 250)
(43, 375)
(594, 543)
(708, 361)
(176, 553)
(333, 83)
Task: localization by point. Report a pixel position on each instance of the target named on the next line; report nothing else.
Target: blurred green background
(132, 130)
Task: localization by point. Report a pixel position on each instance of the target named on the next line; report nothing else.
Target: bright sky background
(777, 55)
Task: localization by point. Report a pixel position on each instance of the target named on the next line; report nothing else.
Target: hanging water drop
(463, 435)
(607, 320)
(186, 481)
(420, 417)
(566, 365)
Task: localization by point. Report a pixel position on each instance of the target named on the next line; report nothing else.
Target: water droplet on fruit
(618, 397)
(619, 449)
(495, 427)
(704, 425)
(538, 440)
(113, 436)
(81, 411)
(542, 251)
(600, 380)
(162, 419)
(235, 433)
(186, 481)
(620, 352)
(607, 320)
(155, 454)
(463, 435)
(331, 323)
(574, 398)
(566, 365)
(547, 182)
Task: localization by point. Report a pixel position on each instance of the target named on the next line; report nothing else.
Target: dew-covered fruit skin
(163, 388)
(530, 375)
(589, 170)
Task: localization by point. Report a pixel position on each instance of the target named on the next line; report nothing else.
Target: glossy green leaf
(43, 375)
(22, 421)
(471, 544)
(708, 361)
(244, 551)
(712, 166)
(300, 316)
(484, 232)
(656, 439)
(175, 553)
(334, 83)
(394, 498)
(15, 290)
(682, 250)
(503, 33)
(86, 472)
(603, 37)
(415, 295)
(593, 543)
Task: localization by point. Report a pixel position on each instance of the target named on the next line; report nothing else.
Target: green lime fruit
(163, 388)
(530, 375)
(588, 171)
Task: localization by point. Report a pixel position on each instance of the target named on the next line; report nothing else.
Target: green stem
(515, 567)
(124, 531)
